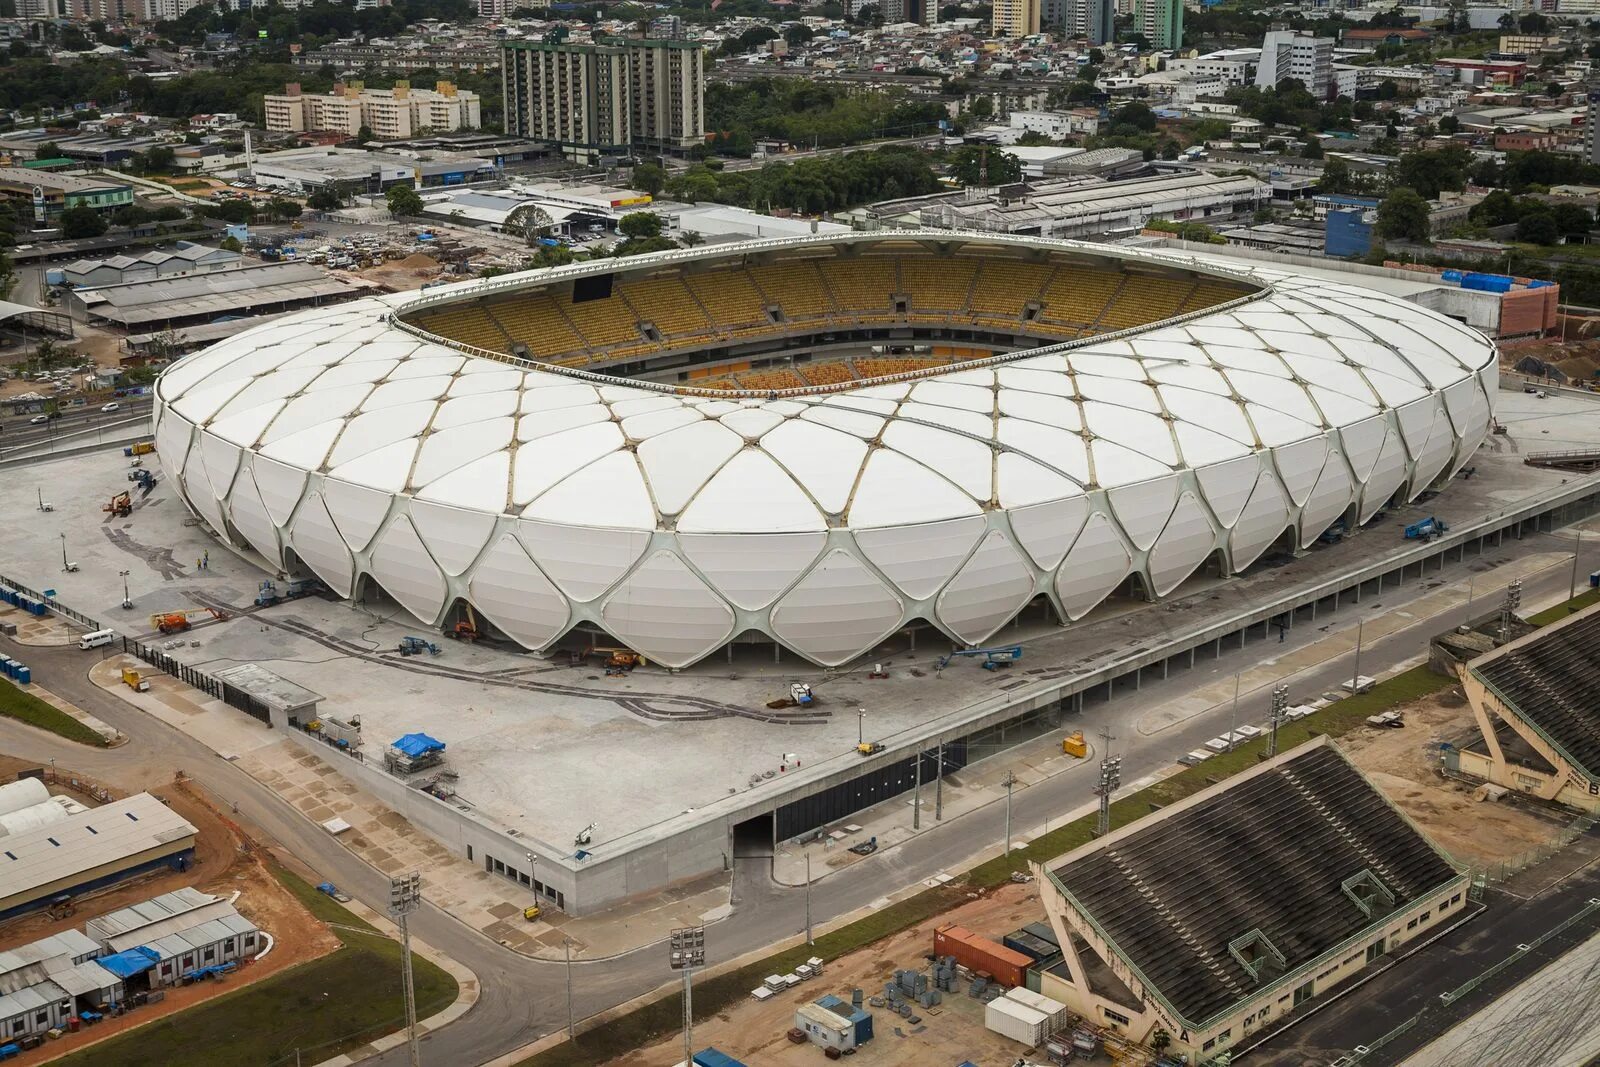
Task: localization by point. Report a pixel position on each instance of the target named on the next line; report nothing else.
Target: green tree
(1403, 216)
(1538, 227)
(1573, 219)
(640, 225)
(981, 108)
(403, 201)
(649, 178)
(1449, 124)
(230, 243)
(1496, 209)
(159, 157)
(1431, 171)
(47, 150)
(974, 165)
(82, 221)
(1136, 115)
(324, 200)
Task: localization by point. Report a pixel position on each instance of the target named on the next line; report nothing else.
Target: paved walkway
(39, 629)
(486, 902)
(112, 735)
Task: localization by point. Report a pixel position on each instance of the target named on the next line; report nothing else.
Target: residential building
(350, 56)
(1015, 18)
(47, 195)
(1304, 57)
(1233, 67)
(1591, 136)
(1089, 19)
(1160, 21)
(596, 100)
(388, 113)
(1057, 125)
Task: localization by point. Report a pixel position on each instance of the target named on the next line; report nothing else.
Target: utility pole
(1010, 781)
(688, 948)
(1572, 590)
(1233, 715)
(809, 939)
(916, 791)
(127, 601)
(1355, 677)
(405, 895)
(938, 785)
(1110, 780)
(1280, 705)
(861, 727)
(572, 1032)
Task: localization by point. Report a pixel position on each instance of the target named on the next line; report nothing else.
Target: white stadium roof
(826, 520)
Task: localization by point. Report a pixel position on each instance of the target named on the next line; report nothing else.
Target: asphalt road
(524, 999)
(17, 432)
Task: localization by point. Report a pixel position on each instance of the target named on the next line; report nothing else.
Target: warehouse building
(186, 258)
(93, 848)
(167, 937)
(195, 299)
(1226, 914)
(1538, 716)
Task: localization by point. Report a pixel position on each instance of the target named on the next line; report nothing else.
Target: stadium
(817, 443)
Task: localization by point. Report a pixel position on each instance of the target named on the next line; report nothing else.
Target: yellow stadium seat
(795, 287)
(835, 372)
(937, 284)
(603, 323)
(1078, 295)
(1005, 287)
(862, 285)
(470, 324)
(731, 298)
(666, 304)
(1143, 299)
(534, 320)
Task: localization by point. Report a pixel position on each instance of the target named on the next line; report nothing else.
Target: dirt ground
(1577, 359)
(1403, 763)
(403, 275)
(754, 1032)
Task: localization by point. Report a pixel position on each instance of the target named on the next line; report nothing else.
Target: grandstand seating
(666, 304)
(1551, 682)
(832, 372)
(732, 300)
(1078, 295)
(1004, 288)
(535, 320)
(1209, 294)
(864, 284)
(795, 287)
(1144, 299)
(469, 323)
(938, 284)
(1269, 854)
(878, 366)
(766, 380)
(603, 323)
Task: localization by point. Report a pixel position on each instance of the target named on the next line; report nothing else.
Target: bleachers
(735, 304)
(666, 303)
(765, 380)
(834, 372)
(1077, 295)
(1004, 288)
(862, 286)
(937, 285)
(795, 287)
(535, 321)
(1269, 854)
(1209, 294)
(1551, 682)
(878, 366)
(603, 323)
(1144, 299)
(470, 324)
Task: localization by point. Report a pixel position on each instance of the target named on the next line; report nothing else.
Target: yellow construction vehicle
(121, 506)
(467, 628)
(135, 681)
(618, 660)
(175, 622)
(1074, 745)
(531, 912)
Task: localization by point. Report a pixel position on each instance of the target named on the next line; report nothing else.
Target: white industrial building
(180, 931)
(1219, 412)
(43, 983)
(185, 257)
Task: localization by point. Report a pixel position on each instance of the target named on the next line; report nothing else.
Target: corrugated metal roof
(138, 917)
(104, 835)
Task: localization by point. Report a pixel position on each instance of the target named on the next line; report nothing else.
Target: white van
(97, 638)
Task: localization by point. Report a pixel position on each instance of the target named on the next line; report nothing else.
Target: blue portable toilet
(24, 675)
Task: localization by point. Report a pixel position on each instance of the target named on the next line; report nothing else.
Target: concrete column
(1164, 668)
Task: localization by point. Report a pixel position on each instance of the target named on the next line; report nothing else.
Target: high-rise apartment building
(1016, 18)
(1301, 56)
(389, 113)
(1160, 21)
(1093, 19)
(606, 99)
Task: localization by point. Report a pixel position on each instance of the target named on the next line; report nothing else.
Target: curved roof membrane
(649, 446)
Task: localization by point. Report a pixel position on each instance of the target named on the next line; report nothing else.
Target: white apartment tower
(1291, 54)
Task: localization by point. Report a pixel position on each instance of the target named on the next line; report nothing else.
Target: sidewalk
(488, 903)
(112, 735)
(49, 630)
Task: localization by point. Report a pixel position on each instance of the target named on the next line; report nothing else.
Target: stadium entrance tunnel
(753, 838)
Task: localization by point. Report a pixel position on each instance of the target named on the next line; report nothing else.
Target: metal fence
(233, 696)
(1484, 876)
(53, 604)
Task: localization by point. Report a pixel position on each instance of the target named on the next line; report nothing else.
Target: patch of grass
(321, 1008)
(1561, 611)
(25, 707)
(319, 903)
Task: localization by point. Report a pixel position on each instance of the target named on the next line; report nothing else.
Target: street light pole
(63, 551)
(916, 790)
(1010, 781)
(809, 939)
(1572, 589)
(572, 1033)
(405, 895)
(1355, 678)
(127, 601)
(1233, 716)
(861, 727)
(533, 874)
(938, 785)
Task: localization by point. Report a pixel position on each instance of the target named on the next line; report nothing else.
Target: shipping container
(1016, 1021)
(1032, 947)
(1007, 966)
(1054, 1010)
(1043, 932)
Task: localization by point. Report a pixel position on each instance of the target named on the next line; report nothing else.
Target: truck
(139, 448)
(135, 681)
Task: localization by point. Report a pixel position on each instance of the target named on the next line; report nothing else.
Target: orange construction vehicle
(467, 628)
(175, 622)
(121, 506)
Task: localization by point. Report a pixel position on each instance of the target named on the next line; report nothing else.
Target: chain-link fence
(1486, 875)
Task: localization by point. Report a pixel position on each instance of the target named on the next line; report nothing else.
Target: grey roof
(85, 978)
(198, 937)
(139, 916)
(95, 838)
(271, 689)
(24, 1001)
(230, 291)
(66, 183)
(26, 964)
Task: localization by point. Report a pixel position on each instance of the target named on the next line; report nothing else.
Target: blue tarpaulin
(129, 963)
(415, 745)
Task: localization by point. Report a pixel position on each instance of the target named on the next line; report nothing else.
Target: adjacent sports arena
(816, 443)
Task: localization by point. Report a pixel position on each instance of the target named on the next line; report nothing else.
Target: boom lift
(176, 622)
(466, 629)
(121, 506)
(993, 658)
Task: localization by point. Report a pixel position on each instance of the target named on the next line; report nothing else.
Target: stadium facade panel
(1155, 417)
